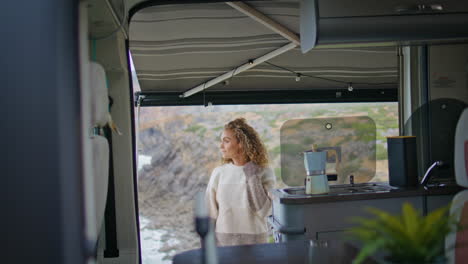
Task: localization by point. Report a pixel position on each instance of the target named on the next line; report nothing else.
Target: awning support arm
(268, 22)
(243, 67)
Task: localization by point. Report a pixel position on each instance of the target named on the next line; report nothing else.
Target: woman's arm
(258, 186)
(210, 196)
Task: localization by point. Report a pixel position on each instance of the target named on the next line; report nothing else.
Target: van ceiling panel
(345, 8)
(177, 47)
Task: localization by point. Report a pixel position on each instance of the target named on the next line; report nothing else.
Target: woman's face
(230, 146)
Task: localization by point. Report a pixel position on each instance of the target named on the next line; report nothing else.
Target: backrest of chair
(461, 241)
(100, 145)
(461, 150)
(456, 244)
(459, 207)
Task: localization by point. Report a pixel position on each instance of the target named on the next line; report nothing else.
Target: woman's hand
(251, 170)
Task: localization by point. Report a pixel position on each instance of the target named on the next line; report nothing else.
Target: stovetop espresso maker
(315, 163)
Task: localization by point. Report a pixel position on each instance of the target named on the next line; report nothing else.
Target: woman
(238, 192)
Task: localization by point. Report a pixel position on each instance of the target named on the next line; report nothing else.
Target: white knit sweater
(239, 201)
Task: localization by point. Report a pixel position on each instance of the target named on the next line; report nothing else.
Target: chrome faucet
(426, 177)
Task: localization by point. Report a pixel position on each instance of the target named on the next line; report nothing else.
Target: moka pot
(316, 180)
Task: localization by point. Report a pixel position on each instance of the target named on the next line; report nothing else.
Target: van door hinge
(139, 98)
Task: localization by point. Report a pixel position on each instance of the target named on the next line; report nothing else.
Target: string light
(209, 107)
(298, 77)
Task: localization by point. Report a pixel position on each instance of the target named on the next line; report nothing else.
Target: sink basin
(344, 189)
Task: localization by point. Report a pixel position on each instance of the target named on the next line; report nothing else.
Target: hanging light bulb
(350, 87)
(298, 77)
(209, 107)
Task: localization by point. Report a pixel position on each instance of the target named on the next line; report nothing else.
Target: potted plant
(406, 238)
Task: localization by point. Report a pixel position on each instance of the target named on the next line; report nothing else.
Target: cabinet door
(435, 202)
(323, 220)
(331, 235)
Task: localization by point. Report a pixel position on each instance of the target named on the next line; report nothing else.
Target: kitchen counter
(297, 216)
(389, 192)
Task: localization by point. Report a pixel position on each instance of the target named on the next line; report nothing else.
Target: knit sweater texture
(239, 200)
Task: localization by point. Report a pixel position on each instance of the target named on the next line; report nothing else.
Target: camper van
(113, 111)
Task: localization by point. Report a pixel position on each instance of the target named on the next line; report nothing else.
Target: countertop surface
(297, 252)
(383, 191)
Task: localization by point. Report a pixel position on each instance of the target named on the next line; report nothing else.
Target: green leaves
(407, 238)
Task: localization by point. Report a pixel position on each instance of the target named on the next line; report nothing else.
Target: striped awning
(180, 46)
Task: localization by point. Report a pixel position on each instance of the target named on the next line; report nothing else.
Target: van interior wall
(112, 54)
(41, 166)
(448, 71)
(434, 92)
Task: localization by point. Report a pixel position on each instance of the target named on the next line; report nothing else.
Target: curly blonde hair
(250, 141)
